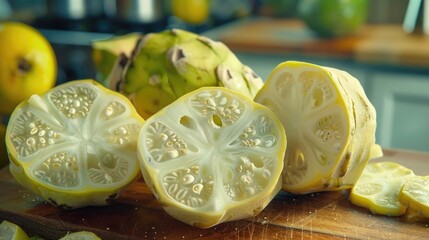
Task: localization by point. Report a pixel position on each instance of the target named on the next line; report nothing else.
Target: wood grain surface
(137, 215)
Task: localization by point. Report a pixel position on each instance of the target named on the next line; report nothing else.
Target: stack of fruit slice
(391, 189)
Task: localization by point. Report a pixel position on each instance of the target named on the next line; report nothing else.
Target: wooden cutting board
(137, 215)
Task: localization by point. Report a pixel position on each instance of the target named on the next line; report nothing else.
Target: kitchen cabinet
(402, 104)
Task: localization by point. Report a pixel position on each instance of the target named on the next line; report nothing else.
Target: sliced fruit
(415, 194)
(174, 62)
(75, 145)
(11, 231)
(330, 125)
(212, 156)
(379, 187)
(82, 235)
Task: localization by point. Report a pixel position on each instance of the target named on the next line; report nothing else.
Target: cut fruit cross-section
(329, 122)
(212, 156)
(379, 186)
(11, 231)
(75, 145)
(415, 194)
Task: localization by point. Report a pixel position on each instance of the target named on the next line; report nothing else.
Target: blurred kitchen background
(389, 56)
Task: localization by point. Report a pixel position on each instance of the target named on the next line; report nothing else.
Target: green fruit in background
(106, 51)
(169, 64)
(333, 18)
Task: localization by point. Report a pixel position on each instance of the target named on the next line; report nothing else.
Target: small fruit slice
(75, 145)
(212, 156)
(82, 235)
(415, 194)
(329, 122)
(379, 187)
(11, 231)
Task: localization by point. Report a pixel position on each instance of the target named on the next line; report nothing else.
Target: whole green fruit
(333, 18)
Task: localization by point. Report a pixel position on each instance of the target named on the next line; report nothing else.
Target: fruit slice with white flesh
(75, 145)
(379, 187)
(329, 122)
(11, 231)
(415, 194)
(212, 156)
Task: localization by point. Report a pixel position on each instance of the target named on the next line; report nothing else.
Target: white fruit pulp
(315, 122)
(76, 138)
(212, 151)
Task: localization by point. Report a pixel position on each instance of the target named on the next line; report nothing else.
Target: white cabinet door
(402, 105)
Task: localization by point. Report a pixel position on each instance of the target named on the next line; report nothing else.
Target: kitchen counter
(379, 44)
(137, 215)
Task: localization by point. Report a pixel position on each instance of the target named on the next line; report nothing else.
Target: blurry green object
(333, 18)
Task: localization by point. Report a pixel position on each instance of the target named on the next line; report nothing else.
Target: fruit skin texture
(360, 118)
(105, 52)
(68, 197)
(333, 18)
(27, 64)
(169, 64)
(219, 207)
